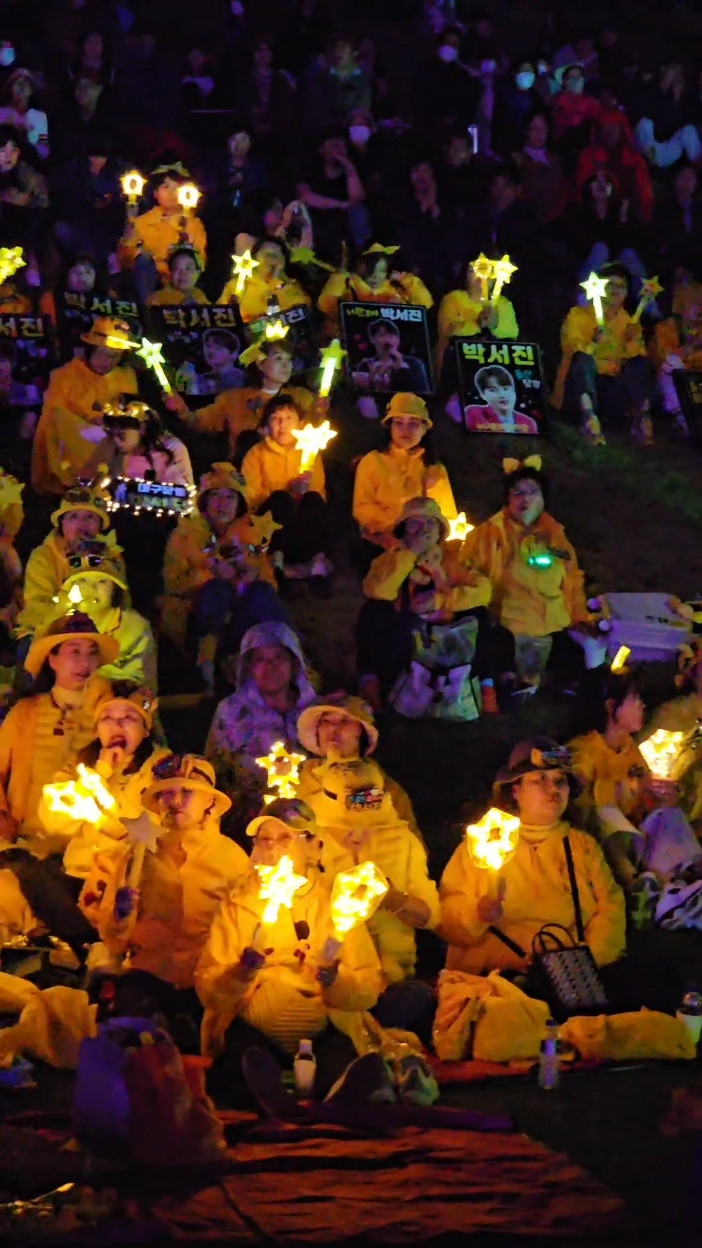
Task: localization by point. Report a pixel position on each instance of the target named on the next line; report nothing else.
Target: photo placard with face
(501, 386)
(201, 345)
(388, 348)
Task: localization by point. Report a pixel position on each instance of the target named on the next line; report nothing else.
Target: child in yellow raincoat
(163, 891)
(80, 520)
(239, 411)
(154, 234)
(74, 402)
(184, 270)
(266, 986)
(411, 589)
(270, 288)
(467, 314)
(604, 367)
(537, 586)
(295, 499)
(374, 282)
(186, 562)
(387, 479)
(677, 344)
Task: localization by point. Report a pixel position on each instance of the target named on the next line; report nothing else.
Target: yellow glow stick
(482, 267)
(596, 288)
(85, 799)
(331, 357)
(355, 896)
(459, 528)
(278, 887)
(132, 186)
(276, 331)
(661, 752)
(11, 259)
(311, 440)
(282, 771)
(502, 271)
(243, 267)
(188, 195)
(493, 840)
(650, 290)
(152, 355)
(620, 659)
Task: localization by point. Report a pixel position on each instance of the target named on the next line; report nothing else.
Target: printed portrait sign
(301, 335)
(501, 386)
(201, 346)
(25, 361)
(688, 385)
(75, 314)
(387, 348)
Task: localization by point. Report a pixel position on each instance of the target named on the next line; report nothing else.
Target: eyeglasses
(85, 561)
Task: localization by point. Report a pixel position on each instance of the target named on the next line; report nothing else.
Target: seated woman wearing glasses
(136, 443)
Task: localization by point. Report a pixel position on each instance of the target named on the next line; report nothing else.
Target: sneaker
(416, 1084)
(642, 430)
(489, 699)
(366, 1081)
(369, 690)
(591, 429)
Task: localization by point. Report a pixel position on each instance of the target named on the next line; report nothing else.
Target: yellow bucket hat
(108, 331)
(142, 699)
(343, 704)
(427, 509)
(406, 404)
(67, 628)
(187, 771)
(83, 498)
(222, 476)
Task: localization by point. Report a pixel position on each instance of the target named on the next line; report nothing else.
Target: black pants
(53, 896)
(305, 522)
(384, 642)
(333, 1050)
(611, 397)
(139, 994)
(362, 553)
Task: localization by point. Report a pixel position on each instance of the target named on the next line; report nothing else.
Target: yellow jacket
(74, 400)
(253, 303)
(31, 751)
(47, 570)
(529, 601)
(158, 234)
(537, 892)
(398, 853)
(350, 288)
(458, 318)
(609, 777)
(268, 467)
(311, 784)
(386, 480)
(137, 659)
(666, 341)
(464, 591)
(169, 928)
(578, 333)
(237, 410)
(286, 984)
(81, 841)
(169, 297)
(186, 568)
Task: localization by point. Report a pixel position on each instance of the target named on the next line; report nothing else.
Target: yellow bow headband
(513, 465)
(252, 354)
(377, 249)
(176, 167)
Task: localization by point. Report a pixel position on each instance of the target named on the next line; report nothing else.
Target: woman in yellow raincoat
(74, 402)
(537, 585)
(374, 282)
(185, 266)
(266, 986)
(467, 314)
(270, 289)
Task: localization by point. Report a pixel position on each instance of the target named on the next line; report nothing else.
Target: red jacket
(572, 110)
(628, 169)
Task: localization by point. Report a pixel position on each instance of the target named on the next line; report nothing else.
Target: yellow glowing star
(502, 271)
(650, 290)
(11, 259)
(595, 288)
(276, 331)
(331, 357)
(152, 355)
(278, 887)
(493, 840)
(282, 770)
(459, 528)
(243, 270)
(132, 185)
(482, 267)
(311, 440)
(355, 896)
(661, 752)
(621, 659)
(85, 799)
(188, 195)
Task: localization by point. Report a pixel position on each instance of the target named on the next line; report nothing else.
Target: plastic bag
(52, 1026)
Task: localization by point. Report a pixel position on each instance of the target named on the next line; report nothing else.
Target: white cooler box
(646, 624)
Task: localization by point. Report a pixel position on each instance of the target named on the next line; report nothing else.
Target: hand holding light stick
(282, 771)
(331, 359)
(278, 886)
(482, 267)
(491, 842)
(596, 288)
(310, 441)
(502, 271)
(355, 897)
(661, 752)
(650, 290)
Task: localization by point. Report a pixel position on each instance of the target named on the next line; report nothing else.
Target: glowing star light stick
(243, 270)
(132, 186)
(85, 799)
(331, 359)
(188, 195)
(482, 267)
(596, 288)
(311, 440)
(459, 528)
(355, 896)
(11, 259)
(278, 887)
(282, 771)
(502, 271)
(152, 355)
(493, 840)
(661, 752)
(650, 290)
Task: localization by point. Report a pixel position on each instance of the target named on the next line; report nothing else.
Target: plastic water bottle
(305, 1069)
(690, 1013)
(549, 1059)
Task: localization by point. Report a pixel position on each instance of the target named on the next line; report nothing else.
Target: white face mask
(359, 134)
(525, 80)
(448, 53)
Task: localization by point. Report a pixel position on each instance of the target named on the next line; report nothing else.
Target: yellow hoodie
(47, 570)
(529, 601)
(284, 1000)
(158, 235)
(269, 467)
(253, 303)
(73, 402)
(311, 784)
(237, 410)
(186, 568)
(387, 480)
(537, 891)
(578, 334)
(458, 318)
